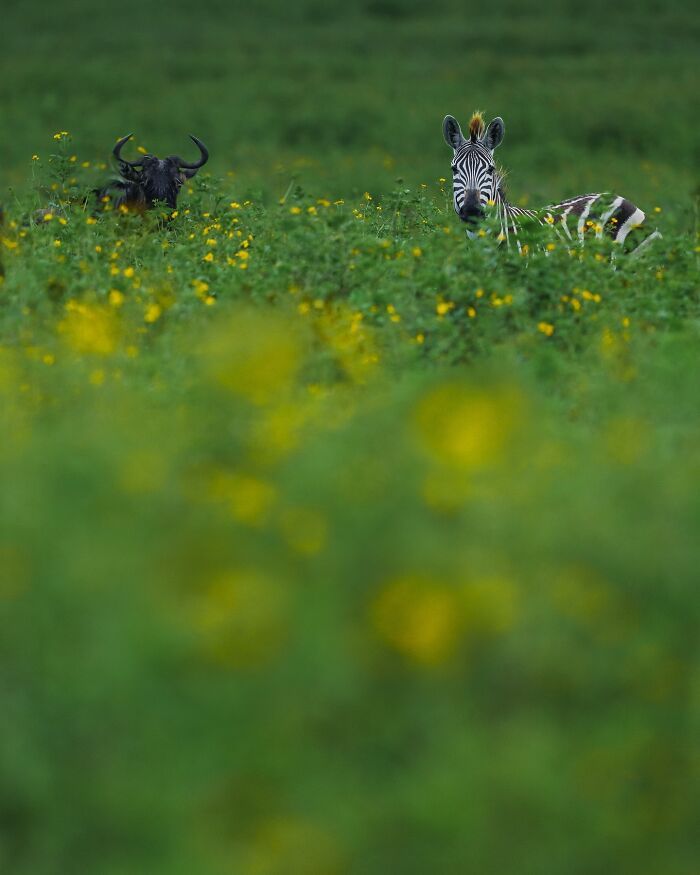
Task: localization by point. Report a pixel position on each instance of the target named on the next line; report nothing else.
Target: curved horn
(117, 150)
(202, 161)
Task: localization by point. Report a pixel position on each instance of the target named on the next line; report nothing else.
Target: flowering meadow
(333, 542)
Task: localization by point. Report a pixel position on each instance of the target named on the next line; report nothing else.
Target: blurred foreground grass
(330, 544)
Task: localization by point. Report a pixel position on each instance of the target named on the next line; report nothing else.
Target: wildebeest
(141, 183)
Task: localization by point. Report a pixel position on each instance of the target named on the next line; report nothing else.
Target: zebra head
(475, 179)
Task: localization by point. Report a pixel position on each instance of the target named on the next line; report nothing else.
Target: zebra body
(478, 184)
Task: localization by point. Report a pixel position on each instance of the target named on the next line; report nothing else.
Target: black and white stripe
(478, 185)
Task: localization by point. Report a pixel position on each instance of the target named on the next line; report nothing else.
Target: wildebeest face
(157, 179)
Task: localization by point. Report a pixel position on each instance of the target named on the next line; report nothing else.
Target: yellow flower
(295, 210)
(416, 252)
(240, 617)
(89, 329)
(546, 328)
(467, 427)
(209, 257)
(419, 618)
(304, 530)
(153, 313)
(444, 307)
(48, 217)
(129, 272)
(246, 498)
(252, 355)
(116, 298)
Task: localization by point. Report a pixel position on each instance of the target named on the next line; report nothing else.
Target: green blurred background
(351, 95)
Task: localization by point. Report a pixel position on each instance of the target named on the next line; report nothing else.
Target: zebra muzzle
(471, 209)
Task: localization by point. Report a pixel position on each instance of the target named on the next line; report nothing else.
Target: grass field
(331, 542)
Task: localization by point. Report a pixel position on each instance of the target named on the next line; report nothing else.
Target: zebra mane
(477, 128)
(502, 173)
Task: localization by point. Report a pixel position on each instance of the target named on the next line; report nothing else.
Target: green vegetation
(329, 541)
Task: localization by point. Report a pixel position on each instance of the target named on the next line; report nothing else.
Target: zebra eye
(454, 168)
(491, 168)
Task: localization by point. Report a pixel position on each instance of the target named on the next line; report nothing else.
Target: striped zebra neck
(509, 215)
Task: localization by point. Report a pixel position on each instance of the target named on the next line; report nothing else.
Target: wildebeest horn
(117, 149)
(202, 161)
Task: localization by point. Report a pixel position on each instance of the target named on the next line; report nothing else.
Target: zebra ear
(494, 133)
(452, 132)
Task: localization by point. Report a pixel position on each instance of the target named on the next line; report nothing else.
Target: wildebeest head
(151, 179)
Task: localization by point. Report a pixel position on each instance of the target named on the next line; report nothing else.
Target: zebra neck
(508, 216)
(509, 210)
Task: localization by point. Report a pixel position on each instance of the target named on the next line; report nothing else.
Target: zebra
(478, 184)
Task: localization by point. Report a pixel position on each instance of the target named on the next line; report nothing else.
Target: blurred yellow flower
(253, 355)
(419, 617)
(241, 617)
(248, 499)
(153, 313)
(90, 328)
(468, 427)
(304, 530)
